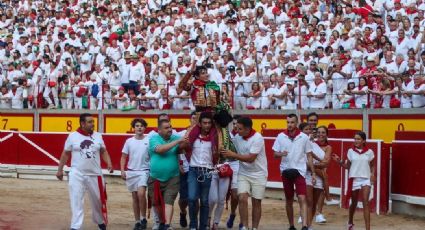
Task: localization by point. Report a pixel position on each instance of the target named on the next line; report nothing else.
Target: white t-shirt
(418, 100)
(297, 149)
(317, 103)
(201, 154)
(137, 151)
(85, 152)
(360, 100)
(360, 163)
(254, 145)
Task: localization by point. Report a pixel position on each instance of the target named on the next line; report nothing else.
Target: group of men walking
(166, 163)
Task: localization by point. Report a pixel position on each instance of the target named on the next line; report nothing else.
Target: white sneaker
(300, 220)
(155, 226)
(332, 202)
(320, 219)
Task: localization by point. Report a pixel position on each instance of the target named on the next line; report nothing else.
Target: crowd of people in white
(284, 54)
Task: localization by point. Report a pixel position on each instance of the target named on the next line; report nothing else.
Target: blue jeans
(199, 182)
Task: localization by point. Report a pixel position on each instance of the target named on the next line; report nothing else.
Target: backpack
(94, 90)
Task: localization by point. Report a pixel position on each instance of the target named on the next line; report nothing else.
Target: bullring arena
(31, 143)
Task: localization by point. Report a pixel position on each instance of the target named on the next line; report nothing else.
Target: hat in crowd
(231, 68)
(370, 58)
(290, 67)
(121, 88)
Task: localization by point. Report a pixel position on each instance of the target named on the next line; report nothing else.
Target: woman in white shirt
(360, 93)
(384, 93)
(254, 100)
(153, 95)
(361, 165)
(52, 86)
(114, 77)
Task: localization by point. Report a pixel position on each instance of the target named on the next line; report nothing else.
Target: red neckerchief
(321, 81)
(415, 35)
(234, 132)
(322, 144)
(417, 86)
(400, 40)
(84, 133)
(188, 65)
(249, 135)
(198, 82)
(361, 151)
(206, 138)
(388, 62)
(322, 40)
(407, 81)
(294, 134)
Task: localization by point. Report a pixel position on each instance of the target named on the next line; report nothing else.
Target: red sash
(103, 198)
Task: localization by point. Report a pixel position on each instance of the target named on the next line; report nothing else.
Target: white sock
(142, 218)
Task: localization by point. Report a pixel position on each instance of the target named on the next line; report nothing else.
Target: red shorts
(300, 187)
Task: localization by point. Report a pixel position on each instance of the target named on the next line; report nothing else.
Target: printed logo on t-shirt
(86, 149)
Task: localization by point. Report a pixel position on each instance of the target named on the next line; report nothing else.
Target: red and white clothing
(360, 162)
(361, 100)
(297, 147)
(252, 145)
(85, 175)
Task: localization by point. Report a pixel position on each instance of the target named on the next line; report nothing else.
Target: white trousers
(67, 103)
(54, 91)
(217, 196)
(78, 185)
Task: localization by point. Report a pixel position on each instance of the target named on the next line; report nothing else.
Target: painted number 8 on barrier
(69, 125)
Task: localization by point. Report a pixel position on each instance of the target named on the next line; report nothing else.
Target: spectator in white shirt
(317, 92)
(253, 172)
(5, 98)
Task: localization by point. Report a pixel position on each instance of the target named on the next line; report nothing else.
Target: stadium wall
(378, 124)
(399, 162)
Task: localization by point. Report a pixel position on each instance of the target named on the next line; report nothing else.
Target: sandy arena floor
(40, 204)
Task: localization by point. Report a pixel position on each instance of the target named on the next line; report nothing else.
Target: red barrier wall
(28, 148)
(410, 135)
(408, 168)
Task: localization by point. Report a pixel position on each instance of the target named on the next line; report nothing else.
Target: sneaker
(102, 226)
(332, 202)
(156, 226)
(143, 224)
(300, 219)
(230, 221)
(350, 227)
(183, 220)
(320, 219)
(138, 226)
(304, 228)
(240, 225)
(292, 228)
(243, 228)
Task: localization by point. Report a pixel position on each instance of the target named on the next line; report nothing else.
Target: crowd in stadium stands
(284, 54)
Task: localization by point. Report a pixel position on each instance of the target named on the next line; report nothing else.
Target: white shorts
(359, 182)
(136, 179)
(234, 165)
(309, 182)
(255, 187)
